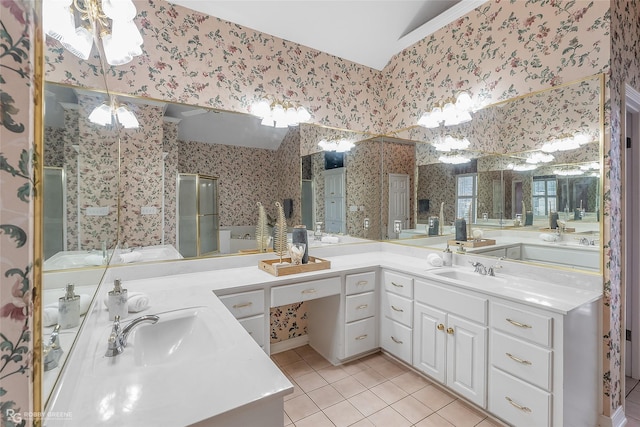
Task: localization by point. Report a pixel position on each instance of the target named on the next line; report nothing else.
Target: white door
(335, 217)
(398, 202)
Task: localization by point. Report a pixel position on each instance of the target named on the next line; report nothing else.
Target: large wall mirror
(532, 163)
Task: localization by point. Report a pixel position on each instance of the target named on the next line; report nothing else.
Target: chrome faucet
(118, 337)
(52, 351)
(479, 268)
(493, 268)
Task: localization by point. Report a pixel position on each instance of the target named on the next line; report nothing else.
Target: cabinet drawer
(462, 304)
(360, 336)
(519, 358)
(518, 403)
(398, 284)
(397, 308)
(360, 306)
(396, 339)
(522, 324)
(255, 326)
(288, 294)
(244, 304)
(362, 282)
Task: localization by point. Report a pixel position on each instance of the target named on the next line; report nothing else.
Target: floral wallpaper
(288, 321)
(437, 183)
(289, 174)
(19, 183)
(71, 149)
(363, 189)
(54, 148)
(170, 153)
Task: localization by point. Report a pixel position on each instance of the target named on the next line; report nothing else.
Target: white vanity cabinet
(248, 308)
(360, 330)
(396, 314)
(450, 338)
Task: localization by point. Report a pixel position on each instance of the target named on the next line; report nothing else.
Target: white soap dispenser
(69, 309)
(447, 257)
(117, 301)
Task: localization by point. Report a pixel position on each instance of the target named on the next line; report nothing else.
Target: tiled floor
(372, 391)
(632, 405)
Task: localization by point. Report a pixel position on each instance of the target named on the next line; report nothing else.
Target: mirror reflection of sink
(468, 276)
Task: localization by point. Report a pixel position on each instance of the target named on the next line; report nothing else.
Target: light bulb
(291, 116)
(58, 21)
(278, 113)
(114, 53)
(303, 115)
(261, 108)
(119, 10)
(80, 44)
(126, 118)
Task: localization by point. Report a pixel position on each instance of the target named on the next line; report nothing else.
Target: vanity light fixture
(568, 172)
(590, 166)
(103, 115)
(339, 145)
(539, 157)
(109, 22)
(279, 114)
(522, 167)
(456, 159)
(451, 112)
(565, 142)
(449, 143)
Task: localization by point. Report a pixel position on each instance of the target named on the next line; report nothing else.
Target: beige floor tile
(388, 417)
(374, 359)
(369, 378)
(349, 387)
(306, 351)
(460, 414)
(390, 370)
(333, 373)
(317, 362)
(434, 420)
(286, 357)
(343, 414)
(634, 396)
(326, 396)
(363, 423)
(287, 420)
(354, 367)
(297, 369)
(300, 407)
(632, 410)
(433, 397)
(411, 409)
(632, 422)
(367, 403)
(410, 382)
(389, 392)
(297, 391)
(490, 422)
(311, 381)
(319, 419)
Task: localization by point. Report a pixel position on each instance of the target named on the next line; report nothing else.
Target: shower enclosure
(198, 218)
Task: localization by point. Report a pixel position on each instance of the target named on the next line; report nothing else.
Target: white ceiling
(363, 31)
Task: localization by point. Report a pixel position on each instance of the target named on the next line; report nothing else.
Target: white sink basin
(468, 276)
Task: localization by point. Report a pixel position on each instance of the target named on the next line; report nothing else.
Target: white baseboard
(279, 347)
(618, 419)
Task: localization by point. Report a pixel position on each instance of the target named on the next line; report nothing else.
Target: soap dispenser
(117, 302)
(447, 257)
(69, 309)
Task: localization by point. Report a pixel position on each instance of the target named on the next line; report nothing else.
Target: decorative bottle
(69, 309)
(117, 301)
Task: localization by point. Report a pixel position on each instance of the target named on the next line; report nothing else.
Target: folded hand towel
(137, 302)
(130, 257)
(477, 233)
(49, 316)
(94, 259)
(434, 260)
(547, 237)
(330, 239)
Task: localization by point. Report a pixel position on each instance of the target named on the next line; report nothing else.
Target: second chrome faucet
(118, 337)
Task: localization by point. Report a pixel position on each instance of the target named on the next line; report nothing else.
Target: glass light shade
(429, 120)
(127, 36)
(126, 118)
(115, 54)
(523, 168)
(291, 116)
(463, 116)
(539, 157)
(454, 160)
(119, 10)
(581, 138)
(464, 101)
(261, 108)
(267, 121)
(58, 21)
(80, 44)
(303, 115)
(281, 124)
(278, 113)
(101, 115)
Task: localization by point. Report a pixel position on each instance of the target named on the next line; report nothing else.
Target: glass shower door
(208, 215)
(198, 223)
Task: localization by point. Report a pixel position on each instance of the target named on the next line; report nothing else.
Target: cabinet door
(466, 359)
(429, 337)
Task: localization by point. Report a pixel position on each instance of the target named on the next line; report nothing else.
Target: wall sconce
(590, 166)
(522, 167)
(121, 41)
(568, 172)
(103, 115)
(279, 114)
(449, 143)
(539, 157)
(565, 142)
(451, 112)
(339, 145)
(456, 159)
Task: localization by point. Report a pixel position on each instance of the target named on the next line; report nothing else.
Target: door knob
(450, 331)
(440, 327)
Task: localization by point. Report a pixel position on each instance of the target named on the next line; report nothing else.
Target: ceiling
(363, 31)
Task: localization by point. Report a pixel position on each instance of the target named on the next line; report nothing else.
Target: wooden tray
(253, 251)
(272, 266)
(472, 243)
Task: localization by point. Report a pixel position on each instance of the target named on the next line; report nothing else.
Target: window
(466, 195)
(544, 195)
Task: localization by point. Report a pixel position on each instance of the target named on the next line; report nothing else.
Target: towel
(547, 237)
(94, 259)
(138, 301)
(50, 312)
(477, 234)
(128, 257)
(330, 239)
(434, 260)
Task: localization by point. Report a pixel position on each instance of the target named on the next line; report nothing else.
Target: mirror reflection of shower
(198, 215)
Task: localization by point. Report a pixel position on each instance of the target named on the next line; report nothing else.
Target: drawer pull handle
(362, 307)
(397, 309)
(396, 285)
(362, 282)
(517, 359)
(518, 324)
(397, 341)
(450, 331)
(361, 337)
(309, 291)
(243, 305)
(440, 327)
(520, 407)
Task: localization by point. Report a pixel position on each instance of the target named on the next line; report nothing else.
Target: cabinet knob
(450, 331)
(440, 327)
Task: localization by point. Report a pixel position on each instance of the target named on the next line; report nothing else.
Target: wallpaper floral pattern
(288, 321)
(71, 149)
(289, 174)
(363, 189)
(170, 153)
(18, 188)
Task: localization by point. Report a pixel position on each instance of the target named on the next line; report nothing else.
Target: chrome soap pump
(69, 309)
(117, 302)
(447, 257)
